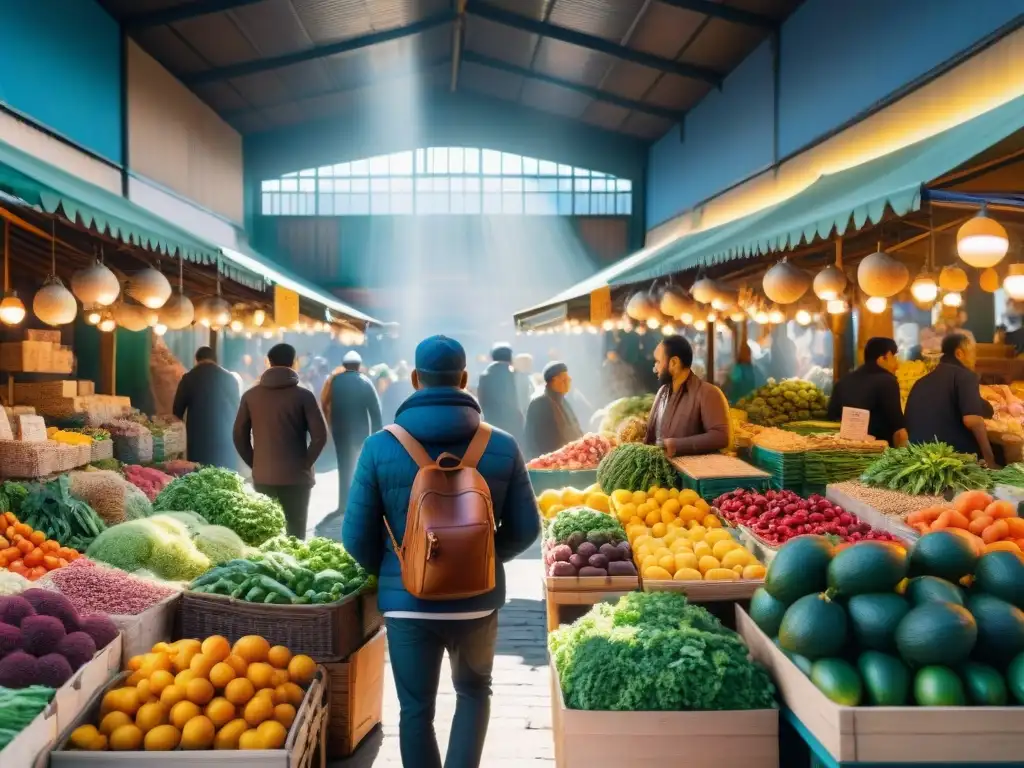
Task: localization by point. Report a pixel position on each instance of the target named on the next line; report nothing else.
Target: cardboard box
(86, 388)
(357, 696)
(733, 739)
(62, 360)
(31, 748)
(76, 693)
(51, 336)
(26, 392)
(304, 747)
(26, 356)
(887, 735)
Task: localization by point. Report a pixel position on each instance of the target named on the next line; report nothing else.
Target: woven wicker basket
(28, 460)
(101, 449)
(329, 632)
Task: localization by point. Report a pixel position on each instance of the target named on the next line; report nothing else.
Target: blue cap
(502, 352)
(439, 354)
(553, 369)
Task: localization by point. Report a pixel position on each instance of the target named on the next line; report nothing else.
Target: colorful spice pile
(147, 479)
(93, 588)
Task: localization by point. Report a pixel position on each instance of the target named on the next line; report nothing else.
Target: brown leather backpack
(447, 552)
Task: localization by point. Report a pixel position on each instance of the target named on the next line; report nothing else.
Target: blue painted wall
(837, 59)
(60, 66)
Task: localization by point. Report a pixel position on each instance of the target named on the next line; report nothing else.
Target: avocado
(923, 589)
(800, 568)
(868, 566)
(874, 618)
(814, 626)
(1015, 679)
(937, 686)
(886, 679)
(944, 554)
(1001, 574)
(984, 685)
(767, 611)
(936, 633)
(1000, 629)
(838, 680)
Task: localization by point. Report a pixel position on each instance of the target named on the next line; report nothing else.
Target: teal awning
(836, 202)
(253, 261)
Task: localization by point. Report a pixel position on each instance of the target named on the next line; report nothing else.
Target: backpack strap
(477, 446)
(411, 446)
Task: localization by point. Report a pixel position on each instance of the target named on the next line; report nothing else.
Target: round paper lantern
(879, 274)
(54, 304)
(953, 279)
(1014, 282)
(178, 312)
(704, 290)
(213, 312)
(830, 283)
(982, 242)
(641, 306)
(132, 317)
(673, 301)
(924, 289)
(149, 287)
(12, 311)
(989, 281)
(785, 284)
(95, 285)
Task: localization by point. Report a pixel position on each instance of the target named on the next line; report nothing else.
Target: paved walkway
(520, 730)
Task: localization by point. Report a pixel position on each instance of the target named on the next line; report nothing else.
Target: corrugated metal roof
(633, 66)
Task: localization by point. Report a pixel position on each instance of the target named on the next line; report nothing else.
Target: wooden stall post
(710, 372)
(840, 365)
(871, 324)
(108, 363)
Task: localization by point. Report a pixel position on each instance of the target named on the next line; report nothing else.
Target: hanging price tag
(33, 429)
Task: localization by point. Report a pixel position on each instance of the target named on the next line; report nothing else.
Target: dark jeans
(417, 647)
(294, 500)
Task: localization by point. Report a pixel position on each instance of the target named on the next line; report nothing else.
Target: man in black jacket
(207, 399)
(497, 393)
(550, 420)
(873, 387)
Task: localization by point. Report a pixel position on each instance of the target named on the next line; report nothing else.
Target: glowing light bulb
(686, 318)
(653, 323)
(641, 330)
(952, 299)
(12, 311)
(982, 242)
(924, 289)
(876, 304)
(803, 317)
(667, 330)
(159, 329)
(700, 326)
(775, 316)
(738, 316)
(236, 325)
(1013, 284)
(761, 317)
(258, 317)
(107, 324)
(836, 307)
(712, 317)
(608, 325)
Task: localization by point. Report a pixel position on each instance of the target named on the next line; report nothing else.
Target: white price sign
(855, 424)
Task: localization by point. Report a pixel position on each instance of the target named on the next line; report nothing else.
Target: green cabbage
(218, 543)
(127, 546)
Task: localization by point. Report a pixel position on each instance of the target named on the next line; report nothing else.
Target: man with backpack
(438, 502)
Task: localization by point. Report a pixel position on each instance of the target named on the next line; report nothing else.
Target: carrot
(49, 546)
(957, 520)
(50, 562)
(24, 530)
(998, 530)
(37, 537)
(979, 524)
(943, 521)
(926, 515)
(1004, 545)
(1001, 509)
(1016, 526)
(4, 543)
(12, 554)
(17, 567)
(36, 573)
(922, 528)
(25, 546)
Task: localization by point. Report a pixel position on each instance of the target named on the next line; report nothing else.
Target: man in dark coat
(497, 393)
(443, 418)
(550, 420)
(352, 408)
(207, 399)
(274, 420)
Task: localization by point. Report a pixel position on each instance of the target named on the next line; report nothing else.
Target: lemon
(639, 497)
(622, 496)
(755, 571)
(227, 737)
(258, 709)
(668, 562)
(720, 548)
(112, 721)
(126, 738)
(547, 498)
(717, 535)
(597, 501)
(688, 496)
(707, 563)
(198, 733)
(687, 574)
(151, 715)
(272, 734)
(657, 573)
(285, 714)
(685, 560)
(712, 521)
(163, 738)
(220, 711)
(182, 712)
(735, 557)
(250, 739)
(84, 737)
(661, 496)
(571, 497)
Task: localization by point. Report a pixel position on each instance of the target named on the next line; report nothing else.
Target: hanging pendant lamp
(982, 242)
(54, 304)
(12, 311)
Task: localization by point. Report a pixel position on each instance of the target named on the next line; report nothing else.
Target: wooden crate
(27, 356)
(563, 591)
(707, 591)
(873, 517)
(357, 696)
(889, 735)
(26, 392)
(736, 739)
(42, 334)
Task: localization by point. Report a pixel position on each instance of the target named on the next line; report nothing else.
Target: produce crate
(72, 697)
(889, 735)
(764, 551)
(137, 449)
(554, 479)
(822, 468)
(31, 747)
(171, 444)
(732, 739)
(711, 476)
(20, 460)
(304, 748)
(100, 450)
(811, 427)
(568, 592)
(139, 633)
(357, 696)
(329, 632)
(785, 467)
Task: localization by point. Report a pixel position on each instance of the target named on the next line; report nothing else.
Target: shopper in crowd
(550, 419)
(617, 376)
(689, 416)
(497, 393)
(440, 418)
(522, 370)
(742, 376)
(207, 400)
(947, 405)
(279, 432)
(873, 387)
(352, 407)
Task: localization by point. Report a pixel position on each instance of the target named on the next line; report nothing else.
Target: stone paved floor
(520, 729)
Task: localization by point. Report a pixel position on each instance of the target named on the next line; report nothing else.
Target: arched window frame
(447, 180)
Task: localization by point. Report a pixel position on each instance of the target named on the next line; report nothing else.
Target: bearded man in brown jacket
(689, 416)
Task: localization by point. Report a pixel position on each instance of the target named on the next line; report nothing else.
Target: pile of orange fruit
(29, 553)
(200, 695)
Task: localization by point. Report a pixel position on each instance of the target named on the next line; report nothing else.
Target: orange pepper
(25, 546)
(37, 537)
(34, 558)
(50, 562)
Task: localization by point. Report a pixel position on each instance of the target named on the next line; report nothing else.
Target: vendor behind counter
(873, 387)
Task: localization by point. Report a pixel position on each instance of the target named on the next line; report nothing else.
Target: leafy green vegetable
(654, 651)
(636, 467)
(322, 555)
(218, 543)
(221, 497)
(619, 410)
(161, 544)
(21, 707)
(585, 521)
(1011, 474)
(928, 469)
(50, 508)
(12, 494)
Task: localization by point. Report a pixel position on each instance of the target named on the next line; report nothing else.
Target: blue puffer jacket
(441, 419)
